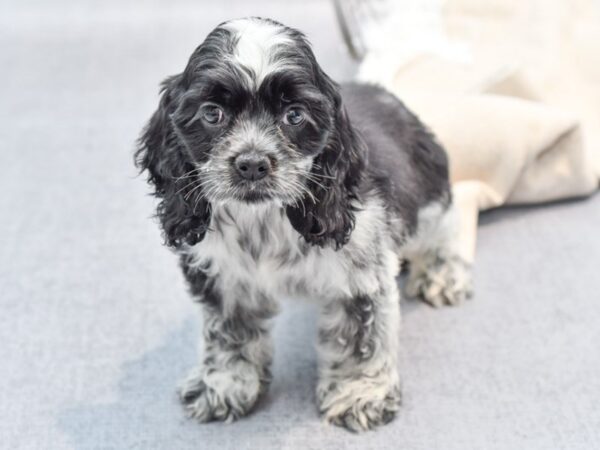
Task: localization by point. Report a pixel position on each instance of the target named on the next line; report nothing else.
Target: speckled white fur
(323, 272)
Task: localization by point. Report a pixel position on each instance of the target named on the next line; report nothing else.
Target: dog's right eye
(212, 114)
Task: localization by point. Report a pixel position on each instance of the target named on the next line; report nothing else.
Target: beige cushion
(521, 118)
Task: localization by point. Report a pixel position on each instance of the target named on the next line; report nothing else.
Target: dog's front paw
(359, 404)
(442, 281)
(210, 394)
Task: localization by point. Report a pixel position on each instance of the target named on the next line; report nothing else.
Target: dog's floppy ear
(182, 210)
(328, 214)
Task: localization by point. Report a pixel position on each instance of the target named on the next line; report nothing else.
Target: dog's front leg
(358, 385)
(237, 350)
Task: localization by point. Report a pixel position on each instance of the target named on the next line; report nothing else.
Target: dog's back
(408, 166)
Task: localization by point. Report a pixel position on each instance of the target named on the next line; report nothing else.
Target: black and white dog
(275, 181)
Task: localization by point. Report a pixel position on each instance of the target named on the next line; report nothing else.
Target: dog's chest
(257, 245)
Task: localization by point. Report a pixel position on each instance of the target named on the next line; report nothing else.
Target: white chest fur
(255, 246)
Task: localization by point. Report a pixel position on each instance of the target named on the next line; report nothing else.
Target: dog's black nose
(252, 166)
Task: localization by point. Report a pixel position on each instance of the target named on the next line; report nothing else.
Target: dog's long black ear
(328, 214)
(182, 210)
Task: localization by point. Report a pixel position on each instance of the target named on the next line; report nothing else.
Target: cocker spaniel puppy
(272, 181)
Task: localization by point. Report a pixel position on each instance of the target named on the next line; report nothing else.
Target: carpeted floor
(96, 328)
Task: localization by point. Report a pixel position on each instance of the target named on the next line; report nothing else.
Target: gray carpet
(96, 328)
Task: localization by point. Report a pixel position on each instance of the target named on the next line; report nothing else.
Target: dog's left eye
(294, 116)
(212, 114)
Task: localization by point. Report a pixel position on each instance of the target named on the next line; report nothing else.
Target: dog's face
(253, 118)
(255, 113)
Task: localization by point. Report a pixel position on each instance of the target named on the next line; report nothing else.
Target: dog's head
(253, 118)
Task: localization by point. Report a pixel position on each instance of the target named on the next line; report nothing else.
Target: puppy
(273, 180)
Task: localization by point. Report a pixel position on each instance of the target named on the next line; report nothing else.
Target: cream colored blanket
(511, 88)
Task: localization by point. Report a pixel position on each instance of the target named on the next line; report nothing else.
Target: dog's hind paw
(442, 281)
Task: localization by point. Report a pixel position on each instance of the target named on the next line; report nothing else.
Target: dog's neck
(244, 215)
(262, 228)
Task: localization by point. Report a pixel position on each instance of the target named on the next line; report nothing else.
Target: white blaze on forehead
(256, 47)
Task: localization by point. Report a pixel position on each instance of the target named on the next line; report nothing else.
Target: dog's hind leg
(438, 274)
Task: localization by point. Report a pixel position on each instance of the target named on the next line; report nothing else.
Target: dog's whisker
(189, 174)
(191, 192)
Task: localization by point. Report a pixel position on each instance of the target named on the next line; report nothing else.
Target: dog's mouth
(256, 197)
(254, 192)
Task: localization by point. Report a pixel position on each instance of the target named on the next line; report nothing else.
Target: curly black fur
(183, 213)
(328, 215)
